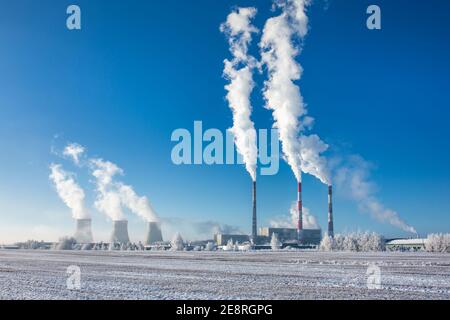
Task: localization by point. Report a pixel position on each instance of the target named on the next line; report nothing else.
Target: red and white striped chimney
(330, 212)
(300, 209)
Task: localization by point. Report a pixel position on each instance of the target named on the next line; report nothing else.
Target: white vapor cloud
(108, 200)
(282, 95)
(311, 148)
(238, 71)
(290, 221)
(353, 177)
(74, 151)
(113, 195)
(69, 191)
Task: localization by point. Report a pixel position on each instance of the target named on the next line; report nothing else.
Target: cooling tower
(120, 232)
(153, 233)
(83, 233)
(254, 221)
(330, 212)
(300, 211)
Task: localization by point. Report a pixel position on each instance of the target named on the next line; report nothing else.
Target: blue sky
(138, 70)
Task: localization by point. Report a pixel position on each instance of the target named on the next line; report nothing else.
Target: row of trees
(438, 242)
(363, 242)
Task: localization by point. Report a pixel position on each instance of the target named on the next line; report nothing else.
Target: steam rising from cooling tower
(114, 195)
(282, 95)
(69, 191)
(239, 71)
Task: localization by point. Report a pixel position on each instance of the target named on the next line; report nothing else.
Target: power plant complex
(299, 236)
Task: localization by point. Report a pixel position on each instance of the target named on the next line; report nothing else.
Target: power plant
(83, 232)
(154, 234)
(120, 232)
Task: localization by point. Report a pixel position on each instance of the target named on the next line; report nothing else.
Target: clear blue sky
(140, 69)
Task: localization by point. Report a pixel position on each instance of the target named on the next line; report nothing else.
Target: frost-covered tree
(274, 242)
(177, 243)
(210, 246)
(350, 243)
(438, 243)
(66, 243)
(230, 245)
(327, 243)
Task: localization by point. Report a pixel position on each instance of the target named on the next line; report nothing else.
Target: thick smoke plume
(69, 191)
(354, 176)
(114, 195)
(282, 95)
(239, 71)
(309, 220)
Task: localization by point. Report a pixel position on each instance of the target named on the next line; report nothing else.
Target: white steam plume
(354, 176)
(282, 95)
(69, 191)
(311, 148)
(108, 199)
(309, 220)
(238, 71)
(74, 151)
(114, 195)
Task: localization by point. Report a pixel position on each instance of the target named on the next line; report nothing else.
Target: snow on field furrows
(222, 275)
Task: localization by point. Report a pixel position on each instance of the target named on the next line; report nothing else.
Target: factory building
(308, 236)
(222, 239)
(406, 244)
(284, 234)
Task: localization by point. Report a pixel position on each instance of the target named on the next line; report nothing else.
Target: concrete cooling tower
(83, 233)
(120, 232)
(153, 233)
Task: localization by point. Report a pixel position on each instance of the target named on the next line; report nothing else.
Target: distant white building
(406, 244)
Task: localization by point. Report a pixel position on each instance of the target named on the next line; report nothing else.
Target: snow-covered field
(222, 275)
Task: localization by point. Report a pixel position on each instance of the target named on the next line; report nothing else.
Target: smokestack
(300, 211)
(153, 233)
(330, 212)
(254, 222)
(83, 233)
(120, 232)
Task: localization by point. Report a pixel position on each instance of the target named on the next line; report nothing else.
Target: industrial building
(406, 244)
(222, 239)
(283, 234)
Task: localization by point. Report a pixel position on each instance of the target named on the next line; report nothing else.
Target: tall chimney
(300, 211)
(153, 233)
(120, 232)
(254, 221)
(83, 233)
(330, 212)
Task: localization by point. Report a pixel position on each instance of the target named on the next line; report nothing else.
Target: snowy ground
(222, 275)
